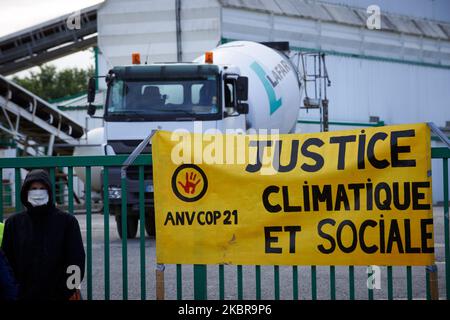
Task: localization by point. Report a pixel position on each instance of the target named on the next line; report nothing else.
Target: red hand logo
(189, 186)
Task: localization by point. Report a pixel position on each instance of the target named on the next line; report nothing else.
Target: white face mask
(37, 197)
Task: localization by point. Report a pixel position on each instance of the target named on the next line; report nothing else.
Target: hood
(36, 175)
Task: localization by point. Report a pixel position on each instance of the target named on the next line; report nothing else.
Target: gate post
(160, 281)
(200, 282)
(432, 279)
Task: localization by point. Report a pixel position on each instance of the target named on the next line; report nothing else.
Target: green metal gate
(200, 288)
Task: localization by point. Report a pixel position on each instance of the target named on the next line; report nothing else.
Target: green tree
(49, 83)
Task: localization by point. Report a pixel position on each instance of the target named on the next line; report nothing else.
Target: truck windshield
(164, 100)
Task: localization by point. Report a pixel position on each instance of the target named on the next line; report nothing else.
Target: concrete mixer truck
(240, 85)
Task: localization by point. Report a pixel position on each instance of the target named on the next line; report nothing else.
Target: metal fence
(200, 285)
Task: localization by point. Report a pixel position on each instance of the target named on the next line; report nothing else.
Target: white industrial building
(398, 74)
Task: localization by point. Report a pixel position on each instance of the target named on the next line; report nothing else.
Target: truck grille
(133, 173)
(127, 146)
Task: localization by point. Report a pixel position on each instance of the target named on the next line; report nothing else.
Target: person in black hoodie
(42, 242)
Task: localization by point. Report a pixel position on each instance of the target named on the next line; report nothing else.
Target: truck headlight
(114, 192)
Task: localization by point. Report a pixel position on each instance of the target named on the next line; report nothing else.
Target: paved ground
(323, 292)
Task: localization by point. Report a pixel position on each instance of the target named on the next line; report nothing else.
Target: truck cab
(196, 97)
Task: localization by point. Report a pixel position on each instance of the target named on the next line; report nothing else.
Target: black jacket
(40, 244)
(8, 285)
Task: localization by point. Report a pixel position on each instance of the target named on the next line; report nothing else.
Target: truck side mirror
(91, 97)
(242, 108)
(242, 89)
(91, 90)
(91, 109)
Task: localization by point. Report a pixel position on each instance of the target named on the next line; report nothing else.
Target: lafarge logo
(189, 183)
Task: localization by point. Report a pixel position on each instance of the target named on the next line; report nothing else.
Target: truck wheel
(132, 226)
(150, 223)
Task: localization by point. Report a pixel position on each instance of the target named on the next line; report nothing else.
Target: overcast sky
(20, 14)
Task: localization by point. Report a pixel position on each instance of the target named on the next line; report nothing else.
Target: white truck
(240, 85)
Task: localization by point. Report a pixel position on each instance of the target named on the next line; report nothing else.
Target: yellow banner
(357, 197)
